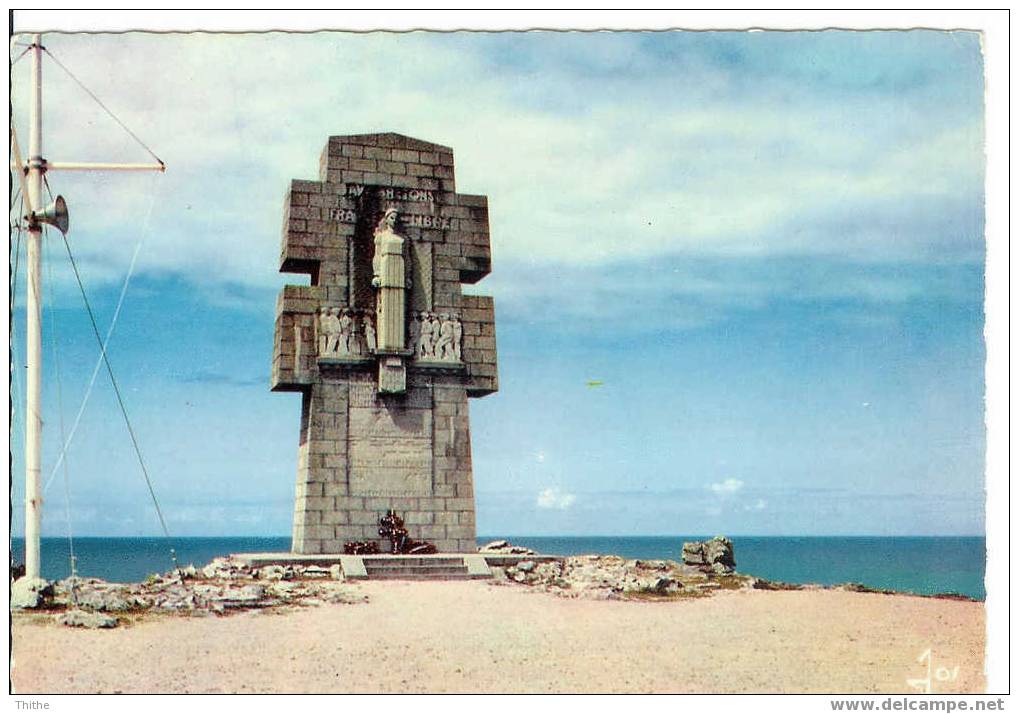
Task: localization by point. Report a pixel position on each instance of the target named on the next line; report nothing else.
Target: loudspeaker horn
(55, 215)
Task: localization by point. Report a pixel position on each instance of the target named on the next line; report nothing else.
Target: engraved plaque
(390, 450)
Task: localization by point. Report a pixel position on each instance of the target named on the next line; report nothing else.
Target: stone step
(400, 575)
(437, 562)
(411, 560)
(469, 566)
(375, 570)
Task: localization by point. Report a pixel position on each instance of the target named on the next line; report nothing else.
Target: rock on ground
(607, 577)
(503, 547)
(30, 593)
(716, 554)
(222, 585)
(90, 620)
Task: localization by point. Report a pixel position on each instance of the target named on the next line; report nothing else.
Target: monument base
(435, 566)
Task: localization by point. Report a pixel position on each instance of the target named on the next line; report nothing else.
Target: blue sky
(767, 246)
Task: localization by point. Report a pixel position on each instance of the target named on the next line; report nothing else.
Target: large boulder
(716, 555)
(30, 593)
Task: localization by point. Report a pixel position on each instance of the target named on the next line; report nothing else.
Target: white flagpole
(33, 325)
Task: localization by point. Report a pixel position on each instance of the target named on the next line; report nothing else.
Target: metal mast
(33, 324)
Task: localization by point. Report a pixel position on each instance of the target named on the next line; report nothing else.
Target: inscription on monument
(428, 221)
(344, 215)
(349, 215)
(390, 450)
(394, 194)
(400, 471)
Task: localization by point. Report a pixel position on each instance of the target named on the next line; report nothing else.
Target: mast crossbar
(91, 166)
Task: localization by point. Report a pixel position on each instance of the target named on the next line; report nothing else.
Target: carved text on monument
(346, 215)
(393, 193)
(429, 221)
(349, 215)
(413, 462)
(390, 451)
(379, 468)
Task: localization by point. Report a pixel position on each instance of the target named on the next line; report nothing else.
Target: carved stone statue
(390, 280)
(333, 330)
(324, 336)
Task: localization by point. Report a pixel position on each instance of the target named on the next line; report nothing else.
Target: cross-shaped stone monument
(382, 345)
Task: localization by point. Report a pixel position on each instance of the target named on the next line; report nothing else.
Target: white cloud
(727, 487)
(759, 505)
(607, 154)
(553, 498)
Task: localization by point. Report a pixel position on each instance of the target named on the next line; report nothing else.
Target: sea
(924, 565)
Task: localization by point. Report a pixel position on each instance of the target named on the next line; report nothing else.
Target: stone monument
(382, 344)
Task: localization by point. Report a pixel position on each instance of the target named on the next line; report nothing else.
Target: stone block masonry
(384, 428)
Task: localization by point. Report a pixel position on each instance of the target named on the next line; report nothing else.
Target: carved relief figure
(333, 330)
(433, 320)
(357, 341)
(298, 348)
(444, 345)
(346, 325)
(345, 332)
(324, 336)
(390, 279)
(458, 333)
(369, 334)
(439, 338)
(427, 339)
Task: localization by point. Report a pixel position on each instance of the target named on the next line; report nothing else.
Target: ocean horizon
(926, 565)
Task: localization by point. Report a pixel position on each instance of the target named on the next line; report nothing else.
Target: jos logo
(940, 674)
